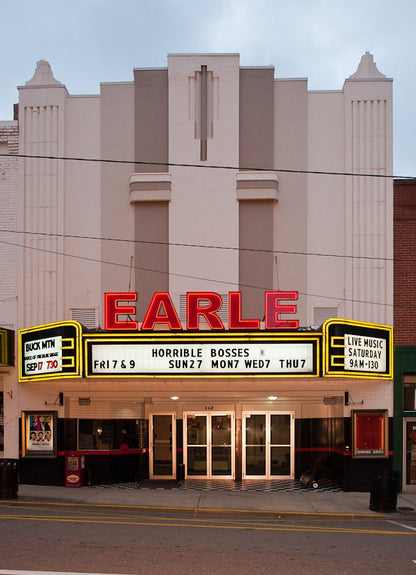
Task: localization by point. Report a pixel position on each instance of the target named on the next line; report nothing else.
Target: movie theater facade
(262, 400)
(219, 194)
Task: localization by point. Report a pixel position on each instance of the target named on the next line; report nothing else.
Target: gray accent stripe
(256, 254)
(152, 251)
(151, 120)
(257, 118)
(139, 186)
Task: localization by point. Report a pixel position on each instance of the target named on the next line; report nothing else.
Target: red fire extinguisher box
(74, 470)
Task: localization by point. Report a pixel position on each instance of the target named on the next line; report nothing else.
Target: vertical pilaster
(42, 121)
(369, 206)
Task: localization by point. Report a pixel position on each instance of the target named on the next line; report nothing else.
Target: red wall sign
(199, 305)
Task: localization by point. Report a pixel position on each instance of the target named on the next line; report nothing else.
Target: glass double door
(268, 445)
(410, 455)
(209, 445)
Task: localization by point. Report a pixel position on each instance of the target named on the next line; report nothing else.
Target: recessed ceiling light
(174, 397)
(272, 397)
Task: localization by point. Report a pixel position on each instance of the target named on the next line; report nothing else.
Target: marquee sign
(357, 349)
(50, 351)
(202, 355)
(343, 348)
(6, 347)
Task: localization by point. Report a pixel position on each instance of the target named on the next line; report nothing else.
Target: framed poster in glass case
(370, 433)
(39, 434)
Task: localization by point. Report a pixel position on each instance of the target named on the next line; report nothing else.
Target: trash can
(74, 470)
(384, 488)
(9, 479)
(181, 472)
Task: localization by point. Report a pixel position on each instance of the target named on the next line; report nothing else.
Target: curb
(370, 515)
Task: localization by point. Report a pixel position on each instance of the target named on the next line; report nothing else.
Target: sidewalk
(307, 502)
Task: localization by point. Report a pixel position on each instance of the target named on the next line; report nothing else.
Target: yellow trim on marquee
(350, 373)
(74, 360)
(322, 341)
(153, 337)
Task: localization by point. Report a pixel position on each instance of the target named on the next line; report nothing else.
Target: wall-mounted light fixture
(58, 401)
(84, 400)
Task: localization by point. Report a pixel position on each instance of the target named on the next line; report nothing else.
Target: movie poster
(39, 434)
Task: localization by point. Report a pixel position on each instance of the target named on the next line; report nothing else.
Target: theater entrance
(209, 445)
(409, 483)
(268, 445)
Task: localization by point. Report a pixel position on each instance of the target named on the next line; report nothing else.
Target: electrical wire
(200, 246)
(217, 281)
(205, 166)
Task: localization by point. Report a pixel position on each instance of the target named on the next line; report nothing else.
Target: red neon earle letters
(199, 305)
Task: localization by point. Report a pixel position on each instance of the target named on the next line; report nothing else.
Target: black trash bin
(384, 488)
(181, 472)
(9, 482)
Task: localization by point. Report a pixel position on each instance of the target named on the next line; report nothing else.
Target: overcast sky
(92, 41)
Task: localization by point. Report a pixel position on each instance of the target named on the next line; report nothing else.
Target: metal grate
(86, 316)
(321, 314)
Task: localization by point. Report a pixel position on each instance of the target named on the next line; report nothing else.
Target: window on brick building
(410, 393)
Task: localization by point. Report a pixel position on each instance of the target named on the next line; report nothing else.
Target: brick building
(405, 330)
(9, 224)
(9, 174)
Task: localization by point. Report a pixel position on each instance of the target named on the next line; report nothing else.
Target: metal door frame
(173, 445)
(409, 488)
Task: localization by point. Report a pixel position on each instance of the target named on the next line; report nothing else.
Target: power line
(207, 166)
(202, 246)
(185, 165)
(218, 281)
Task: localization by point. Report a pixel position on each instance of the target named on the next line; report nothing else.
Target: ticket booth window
(107, 434)
(370, 433)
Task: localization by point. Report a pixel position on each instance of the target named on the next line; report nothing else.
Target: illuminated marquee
(202, 355)
(358, 349)
(50, 351)
(343, 348)
(6, 347)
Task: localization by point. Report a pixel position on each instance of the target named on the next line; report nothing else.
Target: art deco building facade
(203, 176)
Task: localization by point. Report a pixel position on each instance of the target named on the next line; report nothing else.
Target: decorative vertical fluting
(368, 199)
(42, 215)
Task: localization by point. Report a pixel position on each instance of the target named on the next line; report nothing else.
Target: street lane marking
(197, 510)
(197, 518)
(11, 572)
(402, 525)
(207, 525)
